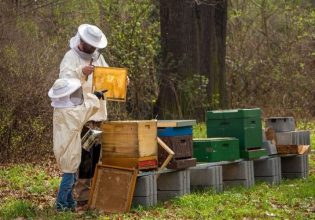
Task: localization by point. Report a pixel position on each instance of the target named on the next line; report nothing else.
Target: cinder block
(145, 193)
(173, 184)
(233, 183)
(177, 180)
(206, 177)
(241, 173)
(270, 147)
(274, 180)
(267, 167)
(145, 201)
(280, 124)
(238, 171)
(293, 138)
(146, 185)
(294, 164)
(303, 175)
(169, 194)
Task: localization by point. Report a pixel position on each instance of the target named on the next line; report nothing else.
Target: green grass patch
(199, 130)
(29, 178)
(17, 208)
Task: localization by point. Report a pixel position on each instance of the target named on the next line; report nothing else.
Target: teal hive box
(243, 124)
(216, 149)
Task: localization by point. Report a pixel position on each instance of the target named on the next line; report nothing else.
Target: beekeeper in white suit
(79, 63)
(71, 112)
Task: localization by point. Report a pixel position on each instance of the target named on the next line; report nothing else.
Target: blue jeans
(65, 199)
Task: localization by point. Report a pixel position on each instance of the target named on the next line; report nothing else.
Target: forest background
(270, 62)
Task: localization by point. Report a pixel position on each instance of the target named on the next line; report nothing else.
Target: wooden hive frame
(112, 189)
(112, 79)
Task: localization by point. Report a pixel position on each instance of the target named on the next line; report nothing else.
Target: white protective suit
(67, 126)
(71, 67)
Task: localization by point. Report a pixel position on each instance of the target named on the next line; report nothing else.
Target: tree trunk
(193, 34)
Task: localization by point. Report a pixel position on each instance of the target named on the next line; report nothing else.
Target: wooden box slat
(131, 162)
(175, 123)
(129, 138)
(293, 149)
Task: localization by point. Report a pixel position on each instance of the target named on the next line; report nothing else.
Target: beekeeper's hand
(99, 95)
(87, 70)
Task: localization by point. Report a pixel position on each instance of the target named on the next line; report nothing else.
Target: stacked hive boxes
(286, 135)
(216, 149)
(243, 124)
(177, 135)
(130, 144)
(290, 143)
(133, 144)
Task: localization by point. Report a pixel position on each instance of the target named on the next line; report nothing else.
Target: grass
(29, 191)
(32, 179)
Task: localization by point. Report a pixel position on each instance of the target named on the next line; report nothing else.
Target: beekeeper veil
(66, 93)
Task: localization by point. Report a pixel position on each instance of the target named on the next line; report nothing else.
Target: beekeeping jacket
(67, 126)
(71, 67)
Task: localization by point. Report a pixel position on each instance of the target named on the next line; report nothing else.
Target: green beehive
(216, 149)
(244, 124)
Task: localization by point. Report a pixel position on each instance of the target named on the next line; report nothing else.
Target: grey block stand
(294, 138)
(240, 173)
(145, 193)
(268, 170)
(294, 166)
(280, 124)
(173, 183)
(205, 177)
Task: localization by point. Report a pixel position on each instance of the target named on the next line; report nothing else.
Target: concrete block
(274, 180)
(145, 201)
(238, 171)
(169, 194)
(294, 164)
(267, 167)
(146, 185)
(145, 193)
(177, 180)
(270, 147)
(173, 184)
(280, 124)
(268, 170)
(293, 138)
(241, 173)
(303, 175)
(206, 177)
(233, 183)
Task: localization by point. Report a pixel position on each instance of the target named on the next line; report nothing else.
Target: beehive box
(140, 163)
(181, 145)
(177, 135)
(216, 149)
(243, 124)
(131, 140)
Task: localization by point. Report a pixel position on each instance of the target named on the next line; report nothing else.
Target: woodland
(184, 57)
